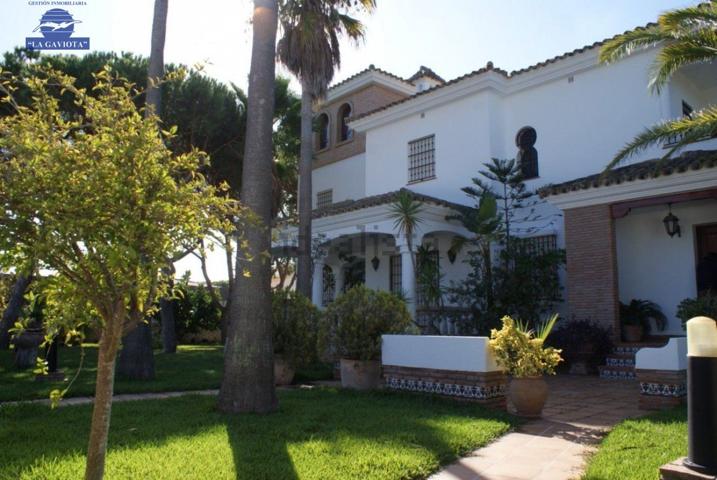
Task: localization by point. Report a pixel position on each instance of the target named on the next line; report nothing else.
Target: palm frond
(697, 47)
(699, 16)
(702, 124)
(546, 327)
(627, 43)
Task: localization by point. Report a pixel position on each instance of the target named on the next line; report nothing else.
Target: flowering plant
(521, 351)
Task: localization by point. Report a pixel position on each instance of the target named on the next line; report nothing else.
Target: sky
(452, 37)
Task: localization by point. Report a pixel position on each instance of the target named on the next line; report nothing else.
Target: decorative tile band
(479, 392)
(663, 389)
(619, 362)
(626, 350)
(617, 374)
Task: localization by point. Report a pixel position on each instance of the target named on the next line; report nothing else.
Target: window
(394, 274)
(329, 286)
(538, 245)
(421, 159)
(322, 126)
(324, 198)
(527, 154)
(345, 133)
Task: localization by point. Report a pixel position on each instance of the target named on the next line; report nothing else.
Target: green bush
(704, 306)
(296, 322)
(195, 311)
(354, 322)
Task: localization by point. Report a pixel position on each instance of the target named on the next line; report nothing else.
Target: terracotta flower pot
(283, 371)
(632, 333)
(528, 395)
(360, 374)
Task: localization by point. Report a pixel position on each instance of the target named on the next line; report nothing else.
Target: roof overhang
(691, 180)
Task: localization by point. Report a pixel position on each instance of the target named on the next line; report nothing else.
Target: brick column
(592, 291)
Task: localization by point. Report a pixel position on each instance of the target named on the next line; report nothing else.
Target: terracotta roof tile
(425, 72)
(371, 68)
(694, 160)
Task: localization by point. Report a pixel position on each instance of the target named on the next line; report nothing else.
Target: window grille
(538, 245)
(395, 274)
(325, 198)
(329, 286)
(421, 159)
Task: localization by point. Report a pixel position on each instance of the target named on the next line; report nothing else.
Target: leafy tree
(248, 381)
(687, 36)
(102, 202)
(309, 48)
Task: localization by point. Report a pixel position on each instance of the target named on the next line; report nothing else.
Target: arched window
(527, 154)
(322, 126)
(345, 133)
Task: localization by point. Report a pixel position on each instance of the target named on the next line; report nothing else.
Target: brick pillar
(592, 266)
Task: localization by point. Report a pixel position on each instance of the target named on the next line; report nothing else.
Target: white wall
(465, 354)
(346, 178)
(653, 266)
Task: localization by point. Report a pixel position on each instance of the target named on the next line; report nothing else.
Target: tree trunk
(304, 267)
(14, 308)
(136, 359)
(104, 388)
(248, 382)
(156, 58)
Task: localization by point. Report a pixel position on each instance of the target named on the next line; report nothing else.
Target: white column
(317, 290)
(408, 278)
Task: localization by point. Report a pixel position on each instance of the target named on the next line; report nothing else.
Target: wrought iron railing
(443, 320)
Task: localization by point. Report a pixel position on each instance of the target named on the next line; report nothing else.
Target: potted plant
(635, 319)
(295, 326)
(523, 355)
(352, 328)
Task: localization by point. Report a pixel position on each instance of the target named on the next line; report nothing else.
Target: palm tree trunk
(14, 308)
(104, 388)
(248, 382)
(304, 268)
(156, 58)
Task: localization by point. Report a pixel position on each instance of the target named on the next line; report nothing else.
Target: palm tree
(688, 36)
(406, 215)
(248, 382)
(136, 360)
(309, 48)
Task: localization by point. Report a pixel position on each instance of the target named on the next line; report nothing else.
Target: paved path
(579, 412)
(123, 397)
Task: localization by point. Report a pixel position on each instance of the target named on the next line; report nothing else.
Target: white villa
(381, 133)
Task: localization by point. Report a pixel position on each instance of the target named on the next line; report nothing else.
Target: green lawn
(317, 434)
(193, 367)
(635, 449)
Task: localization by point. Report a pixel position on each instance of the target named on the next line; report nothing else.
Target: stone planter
(528, 395)
(360, 374)
(26, 346)
(283, 371)
(632, 333)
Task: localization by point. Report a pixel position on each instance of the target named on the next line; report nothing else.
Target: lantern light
(672, 223)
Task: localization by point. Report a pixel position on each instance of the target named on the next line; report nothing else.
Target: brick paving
(578, 414)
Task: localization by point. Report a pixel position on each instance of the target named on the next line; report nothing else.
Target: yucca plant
(688, 36)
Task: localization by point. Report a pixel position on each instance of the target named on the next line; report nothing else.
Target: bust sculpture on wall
(527, 156)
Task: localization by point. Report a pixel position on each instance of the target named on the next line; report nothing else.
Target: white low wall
(467, 354)
(672, 356)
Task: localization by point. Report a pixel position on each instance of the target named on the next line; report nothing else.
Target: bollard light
(702, 395)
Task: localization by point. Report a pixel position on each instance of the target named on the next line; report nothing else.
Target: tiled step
(617, 373)
(620, 360)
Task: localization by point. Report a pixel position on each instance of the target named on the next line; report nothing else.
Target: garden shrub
(704, 306)
(522, 352)
(582, 340)
(354, 322)
(295, 332)
(194, 310)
